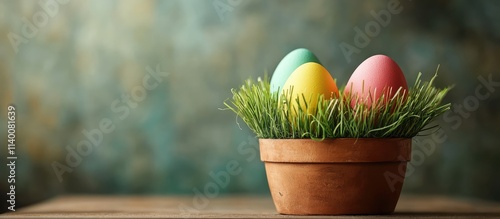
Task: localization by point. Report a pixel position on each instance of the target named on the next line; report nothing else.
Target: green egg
(288, 64)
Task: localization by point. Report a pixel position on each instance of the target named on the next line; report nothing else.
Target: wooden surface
(234, 207)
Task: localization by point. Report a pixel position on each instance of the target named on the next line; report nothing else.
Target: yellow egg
(310, 80)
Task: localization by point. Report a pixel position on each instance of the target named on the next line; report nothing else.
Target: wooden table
(234, 207)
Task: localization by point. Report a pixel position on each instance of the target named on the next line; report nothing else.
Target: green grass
(270, 116)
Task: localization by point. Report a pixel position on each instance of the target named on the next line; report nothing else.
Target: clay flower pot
(335, 176)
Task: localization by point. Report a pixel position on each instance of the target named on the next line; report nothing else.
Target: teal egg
(288, 64)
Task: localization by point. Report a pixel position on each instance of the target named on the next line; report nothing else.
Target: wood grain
(234, 207)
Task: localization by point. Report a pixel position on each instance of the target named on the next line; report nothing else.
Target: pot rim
(337, 150)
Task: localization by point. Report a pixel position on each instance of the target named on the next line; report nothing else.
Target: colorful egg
(376, 76)
(310, 80)
(287, 66)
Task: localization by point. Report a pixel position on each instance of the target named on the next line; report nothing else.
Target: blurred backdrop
(150, 77)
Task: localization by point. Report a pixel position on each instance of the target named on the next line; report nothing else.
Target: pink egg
(374, 77)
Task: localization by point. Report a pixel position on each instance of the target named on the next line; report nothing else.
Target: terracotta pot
(335, 176)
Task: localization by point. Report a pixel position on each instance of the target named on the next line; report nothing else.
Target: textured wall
(75, 69)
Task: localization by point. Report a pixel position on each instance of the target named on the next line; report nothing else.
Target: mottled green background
(65, 78)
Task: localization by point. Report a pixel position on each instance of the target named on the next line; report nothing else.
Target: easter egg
(288, 64)
(309, 81)
(376, 76)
